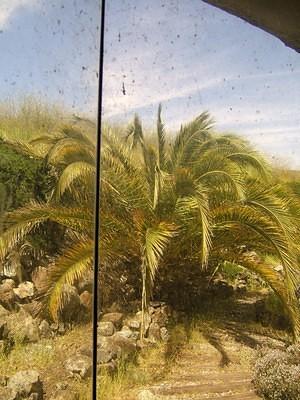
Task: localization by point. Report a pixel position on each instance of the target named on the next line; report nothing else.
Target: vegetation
(277, 374)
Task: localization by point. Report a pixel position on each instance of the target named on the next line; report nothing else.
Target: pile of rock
(119, 336)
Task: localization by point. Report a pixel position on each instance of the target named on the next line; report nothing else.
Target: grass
(47, 357)
(29, 118)
(152, 365)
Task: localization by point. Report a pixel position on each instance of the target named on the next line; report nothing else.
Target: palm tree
(209, 193)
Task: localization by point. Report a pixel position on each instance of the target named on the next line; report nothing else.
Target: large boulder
(25, 384)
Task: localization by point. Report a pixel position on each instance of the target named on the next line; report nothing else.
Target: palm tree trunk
(144, 299)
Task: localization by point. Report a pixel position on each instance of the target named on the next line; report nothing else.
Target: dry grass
(29, 118)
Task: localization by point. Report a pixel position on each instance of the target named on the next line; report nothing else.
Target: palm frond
(73, 172)
(161, 140)
(69, 268)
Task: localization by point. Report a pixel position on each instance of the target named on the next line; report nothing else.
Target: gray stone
(22, 327)
(126, 332)
(106, 328)
(116, 318)
(107, 350)
(25, 290)
(133, 323)
(160, 317)
(25, 383)
(86, 300)
(154, 332)
(79, 365)
(71, 301)
(45, 330)
(7, 296)
(9, 283)
(127, 346)
(146, 395)
(164, 334)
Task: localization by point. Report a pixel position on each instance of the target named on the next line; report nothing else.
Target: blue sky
(186, 54)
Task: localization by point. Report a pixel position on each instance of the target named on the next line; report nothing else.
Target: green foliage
(22, 178)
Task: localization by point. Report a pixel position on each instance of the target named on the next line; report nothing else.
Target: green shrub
(277, 374)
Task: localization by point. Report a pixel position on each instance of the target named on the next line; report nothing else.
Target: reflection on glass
(47, 145)
(200, 205)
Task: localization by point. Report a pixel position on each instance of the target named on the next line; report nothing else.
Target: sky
(187, 55)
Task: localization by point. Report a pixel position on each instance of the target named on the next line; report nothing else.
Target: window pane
(48, 112)
(200, 199)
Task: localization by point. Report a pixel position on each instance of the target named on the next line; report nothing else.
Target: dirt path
(215, 365)
(205, 372)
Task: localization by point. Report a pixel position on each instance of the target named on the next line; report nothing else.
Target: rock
(106, 329)
(3, 324)
(133, 323)
(31, 308)
(61, 330)
(25, 384)
(22, 327)
(164, 334)
(85, 285)
(71, 301)
(86, 300)
(154, 332)
(127, 346)
(126, 332)
(39, 278)
(79, 365)
(107, 350)
(7, 295)
(116, 318)
(45, 330)
(9, 283)
(146, 395)
(25, 290)
(147, 319)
